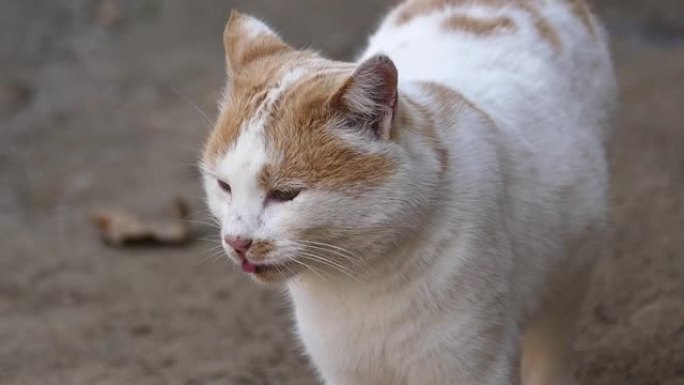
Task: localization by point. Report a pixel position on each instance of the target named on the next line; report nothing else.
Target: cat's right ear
(369, 98)
(246, 39)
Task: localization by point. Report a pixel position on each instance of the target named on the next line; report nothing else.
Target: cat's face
(301, 169)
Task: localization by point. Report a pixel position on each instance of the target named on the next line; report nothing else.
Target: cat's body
(467, 249)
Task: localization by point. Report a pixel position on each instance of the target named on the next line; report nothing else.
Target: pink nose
(239, 244)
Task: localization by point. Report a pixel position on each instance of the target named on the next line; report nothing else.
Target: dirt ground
(96, 108)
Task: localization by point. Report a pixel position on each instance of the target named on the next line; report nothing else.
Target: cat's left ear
(247, 39)
(369, 97)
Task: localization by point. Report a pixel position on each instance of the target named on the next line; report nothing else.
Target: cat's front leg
(338, 378)
(368, 371)
(485, 355)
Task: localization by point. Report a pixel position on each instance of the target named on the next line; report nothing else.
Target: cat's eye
(284, 195)
(224, 186)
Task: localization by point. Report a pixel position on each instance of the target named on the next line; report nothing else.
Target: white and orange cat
(434, 208)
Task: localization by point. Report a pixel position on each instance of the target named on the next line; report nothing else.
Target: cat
(434, 209)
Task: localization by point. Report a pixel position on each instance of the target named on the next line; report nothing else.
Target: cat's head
(303, 169)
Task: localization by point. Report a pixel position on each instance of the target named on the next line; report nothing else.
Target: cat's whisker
(344, 253)
(323, 261)
(310, 268)
(197, 108)
(365, 231)
(214, 248)
(298, 247)
(215, 256)
(329, 263)
(324, 244)
(357, 262)
(212, 239)
(197, 222)
(207, 214)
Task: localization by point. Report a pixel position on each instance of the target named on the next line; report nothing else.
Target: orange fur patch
(408, 106)
(450, 99)
(227, 127)
(302, 134)
(477, 26)
(412, 9)
(450, 103)
(544, 28)
(582, 10)
(246, 91)
(261, 249)
(415, 8)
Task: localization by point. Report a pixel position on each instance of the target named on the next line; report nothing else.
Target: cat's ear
(369, 98)
(246, 39)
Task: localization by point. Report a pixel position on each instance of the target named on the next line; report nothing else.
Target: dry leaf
(120, 228)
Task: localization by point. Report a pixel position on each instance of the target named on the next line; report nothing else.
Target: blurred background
(101, 106)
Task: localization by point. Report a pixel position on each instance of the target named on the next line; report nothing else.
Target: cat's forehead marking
(309, 140)
(243, 162)
(260, 116)
(247, 106)
(240, 166)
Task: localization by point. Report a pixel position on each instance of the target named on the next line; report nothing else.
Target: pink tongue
(248, 267)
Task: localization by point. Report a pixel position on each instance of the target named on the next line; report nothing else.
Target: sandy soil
(96, 109)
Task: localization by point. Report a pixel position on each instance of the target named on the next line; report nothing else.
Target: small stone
(14, 96)
(141, 330)
(109, 13)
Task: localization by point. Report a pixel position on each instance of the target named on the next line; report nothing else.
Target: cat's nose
(239, 244)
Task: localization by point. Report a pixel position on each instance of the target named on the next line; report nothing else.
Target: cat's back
(517, 59)
(540, 69)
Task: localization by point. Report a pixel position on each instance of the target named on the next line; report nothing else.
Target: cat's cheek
(215, 201)
(273, 221)
(214, 205)
(268, 222)
(284, 222)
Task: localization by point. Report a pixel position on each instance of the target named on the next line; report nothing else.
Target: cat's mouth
(249, 267)
(269, 272)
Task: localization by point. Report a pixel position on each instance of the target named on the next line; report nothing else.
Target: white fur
(242, 212)
(256, 27)
(466, 275)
